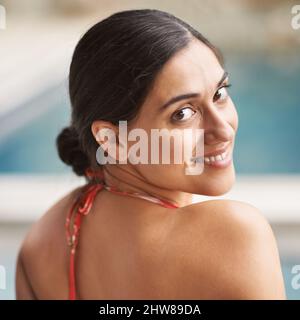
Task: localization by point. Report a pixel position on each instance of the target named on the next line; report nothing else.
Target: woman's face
(197, 77)
(192, 70)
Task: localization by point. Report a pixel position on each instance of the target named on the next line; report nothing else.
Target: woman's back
(133, 249)
(122, 250)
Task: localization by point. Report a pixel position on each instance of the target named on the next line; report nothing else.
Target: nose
(217, 128)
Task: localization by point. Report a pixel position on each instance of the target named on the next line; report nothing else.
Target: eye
(183, 114)
(221, 94)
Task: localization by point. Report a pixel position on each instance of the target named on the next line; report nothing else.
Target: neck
(126, 179)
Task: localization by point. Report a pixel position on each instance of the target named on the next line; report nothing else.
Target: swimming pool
(266, 92)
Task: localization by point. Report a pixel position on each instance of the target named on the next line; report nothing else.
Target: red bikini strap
(81, 207)
(93, 174)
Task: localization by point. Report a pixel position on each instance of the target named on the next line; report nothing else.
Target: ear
(107, 137)
(102, 131)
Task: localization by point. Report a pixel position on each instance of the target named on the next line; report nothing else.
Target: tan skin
(133, 249)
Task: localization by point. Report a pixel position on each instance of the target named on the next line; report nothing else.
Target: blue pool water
(287, 265)
(267, 96)
(31, 148)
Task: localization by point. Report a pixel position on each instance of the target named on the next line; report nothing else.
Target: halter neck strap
(82, 206)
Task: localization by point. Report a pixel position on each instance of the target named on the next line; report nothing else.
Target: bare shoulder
(44, 242)
(231, 216)
(230, 251)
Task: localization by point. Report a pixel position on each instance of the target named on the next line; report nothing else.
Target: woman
(140, 235)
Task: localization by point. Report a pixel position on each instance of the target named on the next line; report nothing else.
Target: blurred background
(262, 55)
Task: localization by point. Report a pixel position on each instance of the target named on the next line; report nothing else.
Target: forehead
(193, 69)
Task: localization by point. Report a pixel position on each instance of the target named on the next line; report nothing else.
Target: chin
(218, 185)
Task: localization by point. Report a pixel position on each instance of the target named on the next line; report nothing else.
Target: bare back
(131, 249)
(123, 251)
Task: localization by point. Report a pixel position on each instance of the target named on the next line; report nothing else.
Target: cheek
(232, 116)
(236, 119)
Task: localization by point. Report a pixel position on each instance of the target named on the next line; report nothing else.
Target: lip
(221, 163)
(216, 152)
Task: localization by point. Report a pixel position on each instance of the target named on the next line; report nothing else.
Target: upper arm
(242, 255)
(40, 270)
(254, 256)
(24, 290)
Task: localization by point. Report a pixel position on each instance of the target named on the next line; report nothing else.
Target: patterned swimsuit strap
(82, 206)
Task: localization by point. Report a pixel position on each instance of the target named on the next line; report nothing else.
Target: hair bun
(70, 152)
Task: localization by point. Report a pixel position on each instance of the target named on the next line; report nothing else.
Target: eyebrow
(189, 95)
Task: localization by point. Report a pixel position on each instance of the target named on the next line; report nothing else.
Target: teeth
(206, 159)
(211, 159)
(218, 157)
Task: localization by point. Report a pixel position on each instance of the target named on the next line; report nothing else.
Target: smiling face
(189, 93)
